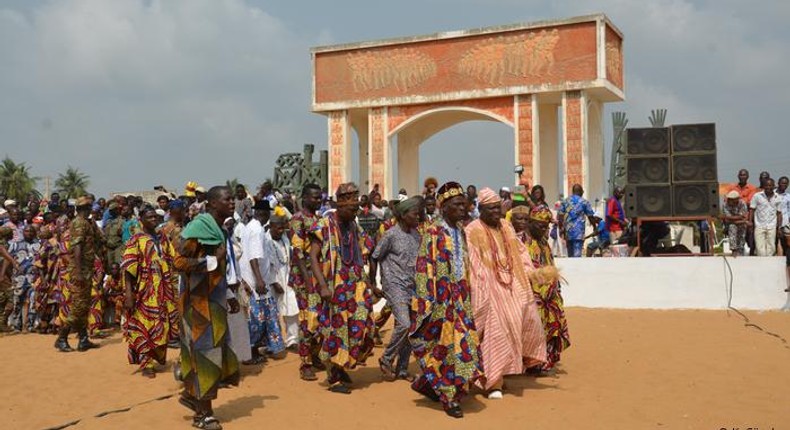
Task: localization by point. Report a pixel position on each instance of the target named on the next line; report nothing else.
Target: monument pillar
(339, 148)
(379, 163)
(526, 129)
(548, 127)
(574, 144)
(409, 163)
(595, 180)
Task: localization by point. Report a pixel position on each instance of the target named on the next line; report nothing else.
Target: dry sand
(625, 370)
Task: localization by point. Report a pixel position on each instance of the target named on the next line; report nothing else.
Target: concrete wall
(674, 283)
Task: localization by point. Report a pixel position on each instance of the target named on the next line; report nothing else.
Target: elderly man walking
(442, 331)
(507, 318)
(339, 250)
(396, 252)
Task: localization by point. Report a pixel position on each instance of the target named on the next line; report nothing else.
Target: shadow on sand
(241, 407)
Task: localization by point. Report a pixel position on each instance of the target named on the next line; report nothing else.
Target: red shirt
(612, 211)
(746, 192)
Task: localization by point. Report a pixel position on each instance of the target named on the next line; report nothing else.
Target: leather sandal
(453, 409)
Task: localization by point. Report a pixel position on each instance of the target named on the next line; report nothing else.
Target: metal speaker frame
(648, 201)
(688, 138)
(647, 170)
(647, 141)
(694, 168)
(696, 199)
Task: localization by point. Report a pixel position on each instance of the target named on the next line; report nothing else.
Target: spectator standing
(735, 216)
(615, 216)
(366, 219)
(571, 220)
(784, 229)
(746, 191)
(766, 216)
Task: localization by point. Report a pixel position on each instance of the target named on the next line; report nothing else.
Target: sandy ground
(625, 370)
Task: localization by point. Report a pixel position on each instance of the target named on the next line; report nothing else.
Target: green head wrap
(404, 206)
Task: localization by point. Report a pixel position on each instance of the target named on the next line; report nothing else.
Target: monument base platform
(758, 283)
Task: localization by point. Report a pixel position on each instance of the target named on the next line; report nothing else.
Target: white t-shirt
(765, 210)
(251, 249)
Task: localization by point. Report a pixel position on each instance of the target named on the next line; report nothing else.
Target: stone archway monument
(548, 80)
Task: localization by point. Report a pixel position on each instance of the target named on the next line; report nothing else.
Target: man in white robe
(278, 263)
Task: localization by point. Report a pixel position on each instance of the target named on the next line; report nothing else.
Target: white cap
(9, 202)
(733, 195)
(160, 212)
(505, 189)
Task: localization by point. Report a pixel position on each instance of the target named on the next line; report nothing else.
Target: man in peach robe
(508, 323)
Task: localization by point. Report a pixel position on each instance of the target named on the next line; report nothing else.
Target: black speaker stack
(671, 171)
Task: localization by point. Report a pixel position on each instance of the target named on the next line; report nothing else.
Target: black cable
(746, 321)
(114, 411)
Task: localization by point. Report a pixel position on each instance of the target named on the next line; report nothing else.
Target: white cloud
(136, 92)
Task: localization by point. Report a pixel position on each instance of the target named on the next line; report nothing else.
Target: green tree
(232, 183)
(72, 183)
(16, 182)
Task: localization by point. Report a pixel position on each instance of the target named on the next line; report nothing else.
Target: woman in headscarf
(532, 227)
(147, 267)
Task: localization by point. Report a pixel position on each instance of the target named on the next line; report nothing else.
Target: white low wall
(674, 282)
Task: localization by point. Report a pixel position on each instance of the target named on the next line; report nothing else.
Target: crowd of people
(234, 279)
(758, 217)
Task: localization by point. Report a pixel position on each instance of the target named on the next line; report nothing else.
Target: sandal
(206, 422)
(406, 376)
(254, 361)
(148, 373)
(453, 410)
(386, 371)
(340, 388)
(307, 374)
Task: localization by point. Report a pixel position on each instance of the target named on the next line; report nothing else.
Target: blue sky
(142, 92)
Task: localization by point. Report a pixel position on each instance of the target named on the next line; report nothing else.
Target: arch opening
(461, 148)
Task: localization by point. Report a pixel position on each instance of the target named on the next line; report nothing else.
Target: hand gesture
(260, 288)
(233, 305)
(326, 295)
(128, 302)
(222, 252)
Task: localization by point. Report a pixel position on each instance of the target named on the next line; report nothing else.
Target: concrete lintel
(606, 90)
(598, 17)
